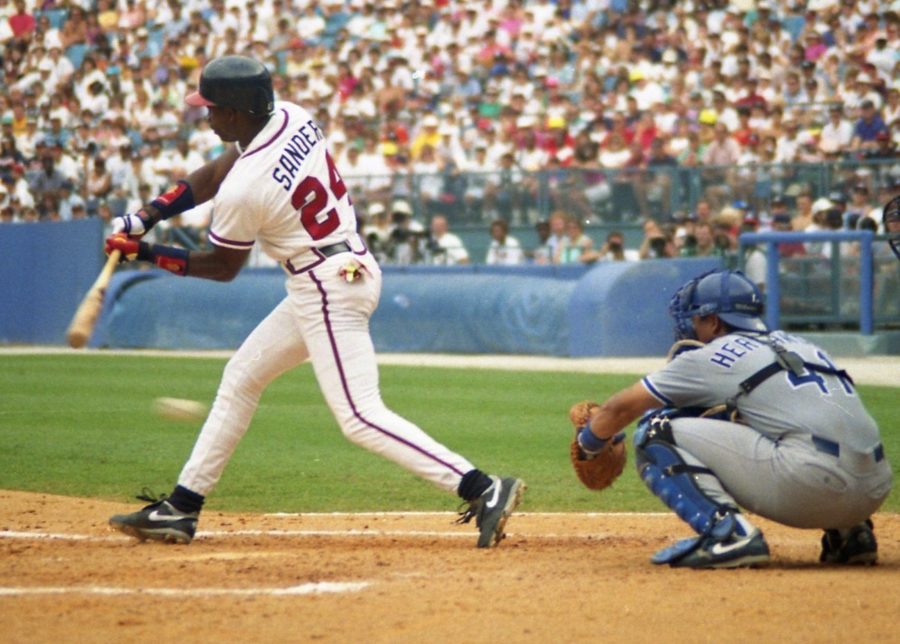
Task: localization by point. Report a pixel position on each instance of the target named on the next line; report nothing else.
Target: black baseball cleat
(707, 551)
(854, 546)
(159, 521)
(493, 508)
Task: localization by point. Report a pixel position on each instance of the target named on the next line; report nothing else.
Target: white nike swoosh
(496, 496)
(168, 518)
(722, 548)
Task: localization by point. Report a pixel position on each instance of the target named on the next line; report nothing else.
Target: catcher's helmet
(892, 224)
(237, 82)
(729, 294)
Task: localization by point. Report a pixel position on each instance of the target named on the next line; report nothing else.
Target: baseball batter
(787, 437)
(278, 187)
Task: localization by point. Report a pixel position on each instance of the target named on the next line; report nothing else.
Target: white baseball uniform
(285, 193)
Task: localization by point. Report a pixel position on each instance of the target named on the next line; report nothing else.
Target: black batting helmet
(237, 82)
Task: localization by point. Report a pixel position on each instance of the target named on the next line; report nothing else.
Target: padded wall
(609, 310)
(47, 267)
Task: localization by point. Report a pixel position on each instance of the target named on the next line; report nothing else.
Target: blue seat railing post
(773, 290)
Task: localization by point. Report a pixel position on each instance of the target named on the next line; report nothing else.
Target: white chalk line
(37, 535)
(414, 513)
(225, 534)
(312, 588)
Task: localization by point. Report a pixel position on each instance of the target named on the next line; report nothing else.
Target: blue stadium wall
(614, 309)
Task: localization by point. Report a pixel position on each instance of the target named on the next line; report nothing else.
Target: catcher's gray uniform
(809, 455)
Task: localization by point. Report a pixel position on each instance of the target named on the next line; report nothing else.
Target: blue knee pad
(666, 474)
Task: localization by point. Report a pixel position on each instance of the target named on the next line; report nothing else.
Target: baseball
(179, 409)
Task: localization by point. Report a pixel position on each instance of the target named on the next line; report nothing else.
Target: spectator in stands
(49, 180)
(428, 136)
(654, 242)
(429, 178)
(377, 230)
(68, 200)
(708, 64)
(478, 171)
(22, 23)
(504, 249)
(867, 128)
(405, 242)
(443, 247)
(614, 250)
(575, 245)
(837, 133)
(542, 253)
(754, 256)
(7, 214)
(860, 204)
(803, 213)
(706, 245)
(722, 151)
(503, 196)
(782, 222)
(98, 184)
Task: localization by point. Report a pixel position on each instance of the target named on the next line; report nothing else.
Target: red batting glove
(128, 246)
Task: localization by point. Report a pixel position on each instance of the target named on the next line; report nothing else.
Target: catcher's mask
(728, 294)
(892, 224)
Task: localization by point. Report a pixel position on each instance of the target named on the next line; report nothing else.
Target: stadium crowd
(476, 110)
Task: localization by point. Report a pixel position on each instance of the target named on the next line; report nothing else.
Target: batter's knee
(239, 377)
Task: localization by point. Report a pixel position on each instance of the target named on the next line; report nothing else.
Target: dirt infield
(417, 577)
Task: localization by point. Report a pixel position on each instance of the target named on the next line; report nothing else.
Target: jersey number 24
(311, 197)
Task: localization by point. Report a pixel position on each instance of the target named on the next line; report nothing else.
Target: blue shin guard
(666, 474)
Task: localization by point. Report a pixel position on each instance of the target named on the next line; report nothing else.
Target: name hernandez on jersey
(284, 191)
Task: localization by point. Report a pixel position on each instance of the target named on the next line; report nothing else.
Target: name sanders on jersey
(295, 152)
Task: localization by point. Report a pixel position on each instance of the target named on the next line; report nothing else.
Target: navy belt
(830, 447)
(334, 249)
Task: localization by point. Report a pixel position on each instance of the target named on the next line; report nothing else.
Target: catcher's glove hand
(595, 468)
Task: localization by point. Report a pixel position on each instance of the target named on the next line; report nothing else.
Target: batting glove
(128, 246)
(135, 225)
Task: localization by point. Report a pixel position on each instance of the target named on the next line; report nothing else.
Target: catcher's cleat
(854, 546)
(159, 521)
(493, 508)
(736, 551)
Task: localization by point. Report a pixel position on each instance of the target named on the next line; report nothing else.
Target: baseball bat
(85, 317)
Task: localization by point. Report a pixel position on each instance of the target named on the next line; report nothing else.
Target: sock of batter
(184, 500)
(473, 485)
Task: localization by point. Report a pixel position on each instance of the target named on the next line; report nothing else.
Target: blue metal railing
(773, 259)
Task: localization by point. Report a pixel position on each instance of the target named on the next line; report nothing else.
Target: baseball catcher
(743, 416)
(892, 224)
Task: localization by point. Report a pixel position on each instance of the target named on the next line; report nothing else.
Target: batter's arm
(206, 179)
(620, 409)
(204, 183)
(219, 264)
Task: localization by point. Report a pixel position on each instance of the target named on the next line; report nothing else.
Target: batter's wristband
(175, 200)
(174, 260)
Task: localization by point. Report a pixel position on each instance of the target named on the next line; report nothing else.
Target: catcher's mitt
(595, 471)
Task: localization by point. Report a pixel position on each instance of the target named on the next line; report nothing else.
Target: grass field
(82, 425)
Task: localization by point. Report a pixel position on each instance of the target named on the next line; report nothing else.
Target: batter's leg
(344, 362)
(272, 348)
